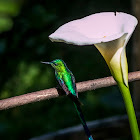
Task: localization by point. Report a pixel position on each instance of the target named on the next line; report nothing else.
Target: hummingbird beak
(46, 62)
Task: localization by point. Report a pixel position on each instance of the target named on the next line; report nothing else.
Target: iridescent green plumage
(67, 82)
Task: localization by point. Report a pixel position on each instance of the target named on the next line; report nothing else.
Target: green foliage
(26, 44)
(8, 9)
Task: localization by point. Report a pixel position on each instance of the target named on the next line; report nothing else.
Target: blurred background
(24, 29)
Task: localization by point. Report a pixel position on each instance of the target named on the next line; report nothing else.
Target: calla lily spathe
(96, 28)
(108, 31)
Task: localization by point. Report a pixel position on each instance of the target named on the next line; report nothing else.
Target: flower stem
(130, 111)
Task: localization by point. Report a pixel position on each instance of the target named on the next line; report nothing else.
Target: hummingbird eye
(55, 64)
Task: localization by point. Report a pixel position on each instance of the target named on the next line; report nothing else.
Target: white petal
(96, 28)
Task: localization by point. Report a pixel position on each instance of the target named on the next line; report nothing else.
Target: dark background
(24, 43)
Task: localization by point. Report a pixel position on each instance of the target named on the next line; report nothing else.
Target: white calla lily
(96, 28)
(109, 32)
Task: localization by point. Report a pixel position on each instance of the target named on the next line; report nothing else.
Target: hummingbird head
(58, 64)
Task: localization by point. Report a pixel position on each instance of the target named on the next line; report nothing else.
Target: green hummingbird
(67, 81)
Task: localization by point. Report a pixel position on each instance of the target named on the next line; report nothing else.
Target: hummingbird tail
(75, 100)
(91, 138)
(81, 116)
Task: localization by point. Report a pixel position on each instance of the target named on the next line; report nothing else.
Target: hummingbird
(66, 80)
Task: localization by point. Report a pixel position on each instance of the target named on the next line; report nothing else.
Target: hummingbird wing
(74, 84)
(67, 82)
